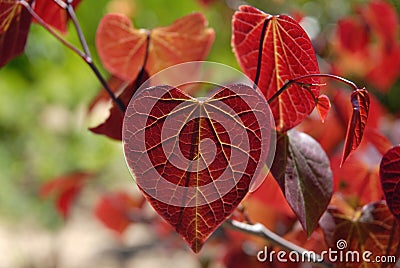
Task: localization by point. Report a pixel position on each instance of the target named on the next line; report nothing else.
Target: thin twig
(50, 30)
(75, 21)
(88, 58)
(296, 80)
(260, 49)
(85, 55)
(260, 230)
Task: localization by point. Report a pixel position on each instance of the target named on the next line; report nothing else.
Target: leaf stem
(85, 55)
(260, 48)
(296, 80)
(260, 230)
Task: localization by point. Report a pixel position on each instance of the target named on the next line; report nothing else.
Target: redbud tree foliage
(321, 185)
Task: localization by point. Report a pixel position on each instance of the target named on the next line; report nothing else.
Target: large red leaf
(123, 48)
(66, 188)
(303, 172)
(355, 129)
(194, 159)
(15, 21)
(390, 179)
(371, 228)
(280, 49)
(53, 14)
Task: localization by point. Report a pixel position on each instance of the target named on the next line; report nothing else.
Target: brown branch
(85, 55)
(260, 230)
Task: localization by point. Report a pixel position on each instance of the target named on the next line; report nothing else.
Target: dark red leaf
(286, 53)
(113, 210)
(303, 172)
(390, 179)
(15, 21)
(66, 188)
(323, 106)
(355, 129)
(112, 126)
(53, 14)
(194, 160)
(371, 228)
(123, 48)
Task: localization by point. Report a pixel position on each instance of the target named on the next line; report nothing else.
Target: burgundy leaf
(370, 228)
(355, 129)
(193, 159)
(303, 172)
(15, 21)
(390, 179)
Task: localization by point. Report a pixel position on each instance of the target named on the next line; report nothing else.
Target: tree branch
(298, 79)
(85, 55)
(260, 230)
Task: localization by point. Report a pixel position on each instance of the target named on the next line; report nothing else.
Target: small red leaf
(323, 106)
(112, 126)
(113, 210)
(53, 14)
(355, 129)
(390, 179)
(286, 53)
(15, 21)
(303, 172)
(193, 159)
(123, 48)
(66, 188)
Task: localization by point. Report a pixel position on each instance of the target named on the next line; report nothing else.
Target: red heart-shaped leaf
(390, 179)
(194, 159)
(355, 129)
(15, 21)
(123, 48)
(280, 50)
